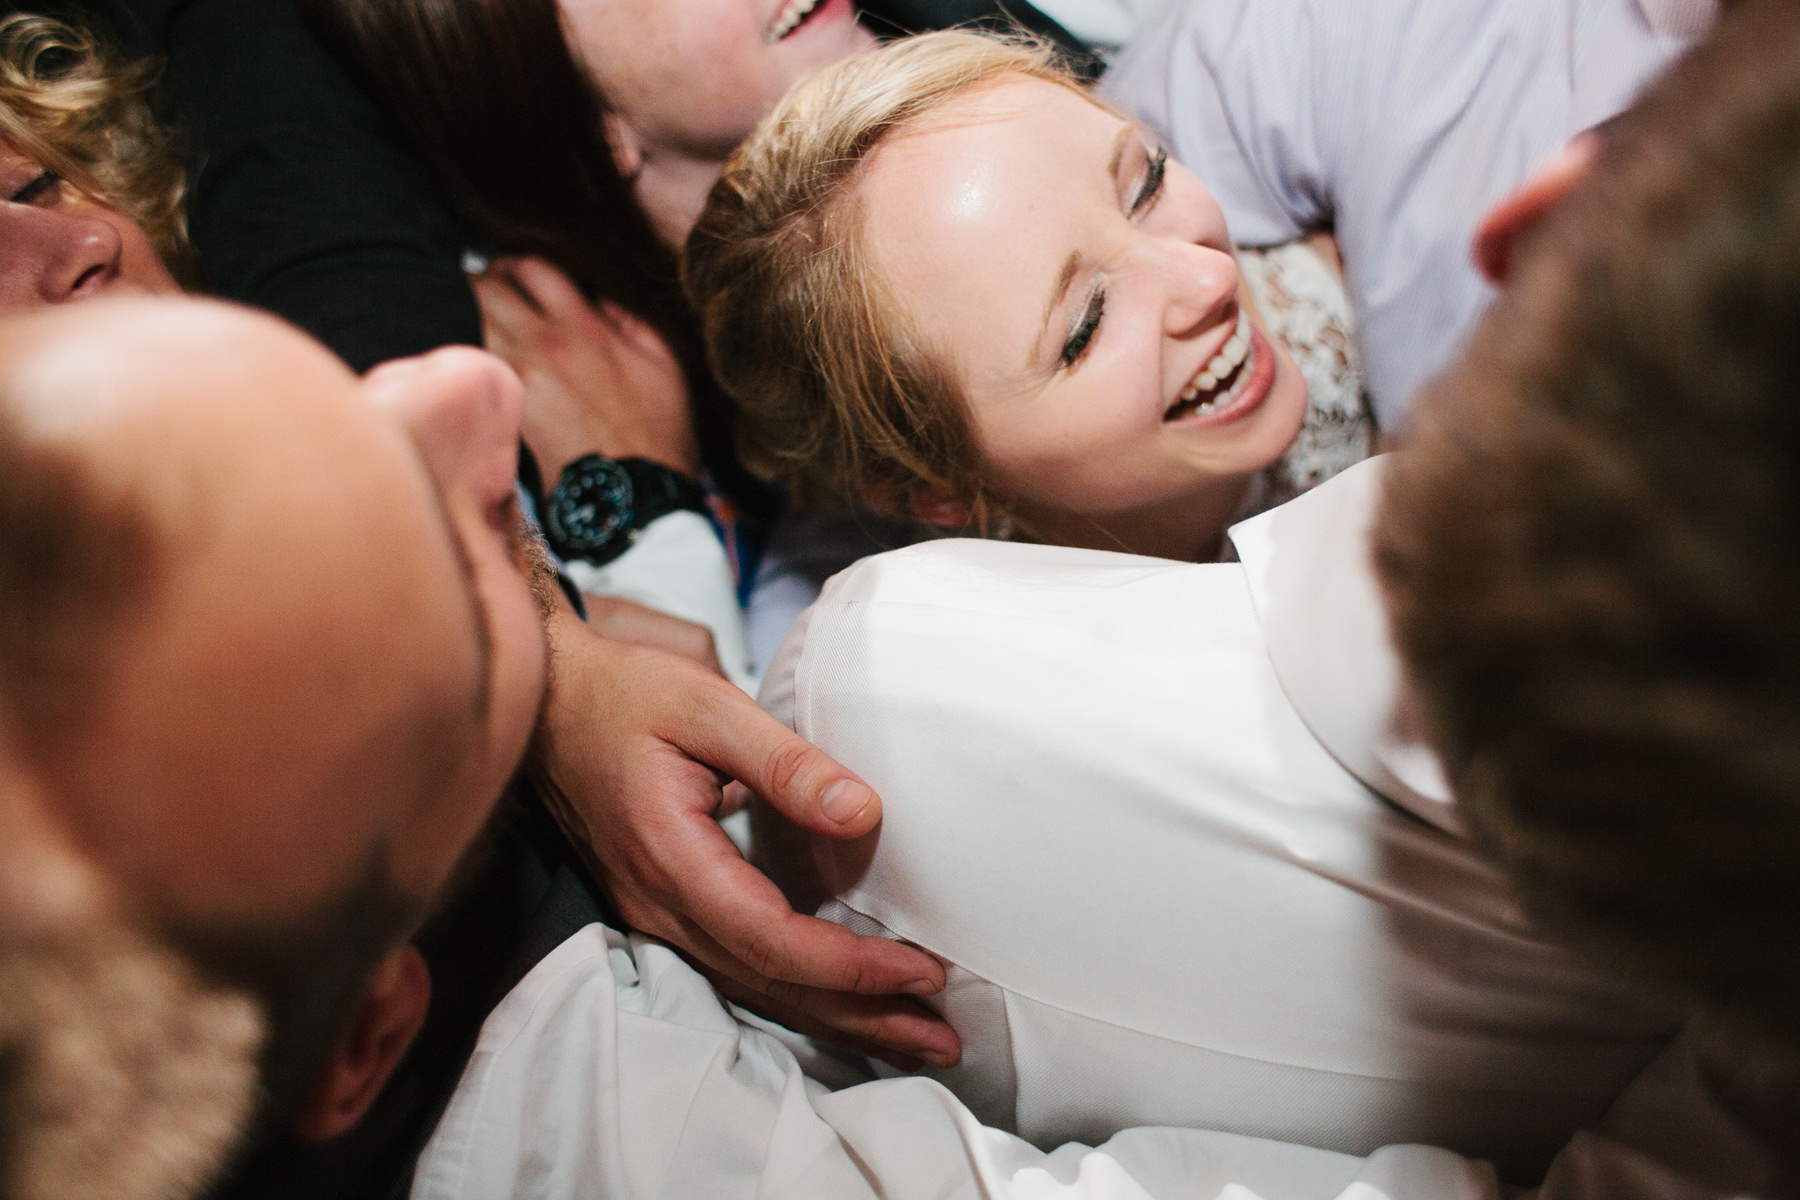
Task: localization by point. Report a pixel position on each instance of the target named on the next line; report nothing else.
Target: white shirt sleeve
(1237, 90)
(613, 1070)
(1397, 122)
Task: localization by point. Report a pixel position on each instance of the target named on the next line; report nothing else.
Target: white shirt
(614, 1070)
(1130, 801)
(1396, 122)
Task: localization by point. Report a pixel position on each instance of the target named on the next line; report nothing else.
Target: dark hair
(1592, 549)
(489, 95)
(492, 99)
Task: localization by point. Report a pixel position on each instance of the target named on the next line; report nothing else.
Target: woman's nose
(463, 409)
(70, 256)
(1201, 287)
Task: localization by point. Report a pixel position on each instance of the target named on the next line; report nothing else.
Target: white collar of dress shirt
(1315, 593)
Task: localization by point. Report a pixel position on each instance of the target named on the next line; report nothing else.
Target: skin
(61, 244)
(686, 80)
(647, 765)
(250, 758)
(971, 221)
(271, 748)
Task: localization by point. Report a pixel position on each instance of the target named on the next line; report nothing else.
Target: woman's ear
(1522, 211)
(936, 506)
(392, 1010)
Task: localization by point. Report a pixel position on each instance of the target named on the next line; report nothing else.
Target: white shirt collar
(1326, 629)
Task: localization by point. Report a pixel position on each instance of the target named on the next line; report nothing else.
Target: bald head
(298, 637)
(274, 654)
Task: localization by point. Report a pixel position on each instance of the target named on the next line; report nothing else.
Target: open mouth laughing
(1236, 376)
(792, 16)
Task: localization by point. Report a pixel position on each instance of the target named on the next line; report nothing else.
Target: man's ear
(1502, 226)
(936, 506)
(627, 147)
(392, 1010)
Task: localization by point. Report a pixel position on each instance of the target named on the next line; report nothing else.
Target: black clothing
(917, 16)
(304, 202)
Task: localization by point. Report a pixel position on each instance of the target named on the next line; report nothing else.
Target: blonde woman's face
(58, 244)
(1082, 289)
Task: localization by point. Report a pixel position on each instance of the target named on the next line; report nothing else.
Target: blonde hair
(838, 397)
(78, 109)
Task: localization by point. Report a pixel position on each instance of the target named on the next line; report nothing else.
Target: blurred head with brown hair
(1592, 548)
(91, 195)
(262, 747)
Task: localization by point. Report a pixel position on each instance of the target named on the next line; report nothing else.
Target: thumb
(796, 778)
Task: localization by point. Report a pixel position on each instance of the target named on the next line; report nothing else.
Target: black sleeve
(304, 202)
(917, 16)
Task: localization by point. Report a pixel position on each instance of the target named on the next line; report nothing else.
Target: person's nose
(463, 408)
(1200, 284)
(54, 257)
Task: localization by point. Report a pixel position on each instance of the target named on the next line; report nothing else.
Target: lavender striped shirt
(1395, 122)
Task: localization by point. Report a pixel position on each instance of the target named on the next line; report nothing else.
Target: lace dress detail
(1302, 302)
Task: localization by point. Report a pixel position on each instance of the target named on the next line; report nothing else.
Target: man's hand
(624, 620)
(597, 380)
(639, 746)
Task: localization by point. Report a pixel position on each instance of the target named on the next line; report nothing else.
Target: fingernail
(921, 987)
(845, 799)
(936, 1058)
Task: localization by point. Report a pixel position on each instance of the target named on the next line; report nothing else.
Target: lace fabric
(1302, 302)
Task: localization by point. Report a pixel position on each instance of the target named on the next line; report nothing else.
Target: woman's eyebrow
(1071, 268)
(1120, 142)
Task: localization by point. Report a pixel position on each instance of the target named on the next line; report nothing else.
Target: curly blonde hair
(838, 397)
(77, 108)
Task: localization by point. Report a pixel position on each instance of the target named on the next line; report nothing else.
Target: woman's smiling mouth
(791, 16)
(1234, 380)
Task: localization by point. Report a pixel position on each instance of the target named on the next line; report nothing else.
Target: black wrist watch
(600, 505)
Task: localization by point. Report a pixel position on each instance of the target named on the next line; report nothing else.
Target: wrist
(600, 505)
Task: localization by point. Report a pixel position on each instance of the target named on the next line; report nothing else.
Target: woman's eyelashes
(1141, 201)
(40, 186)
(1085, 328)
(1151, 188)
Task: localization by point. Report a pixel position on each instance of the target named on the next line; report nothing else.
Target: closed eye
(1083, 334)
(1151, 187)
(37, 189)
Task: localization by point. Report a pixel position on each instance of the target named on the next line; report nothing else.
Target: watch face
(591, 505)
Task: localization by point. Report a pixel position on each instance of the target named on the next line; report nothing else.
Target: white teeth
(1236, 348)
(792, 14)
(1231, 355)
